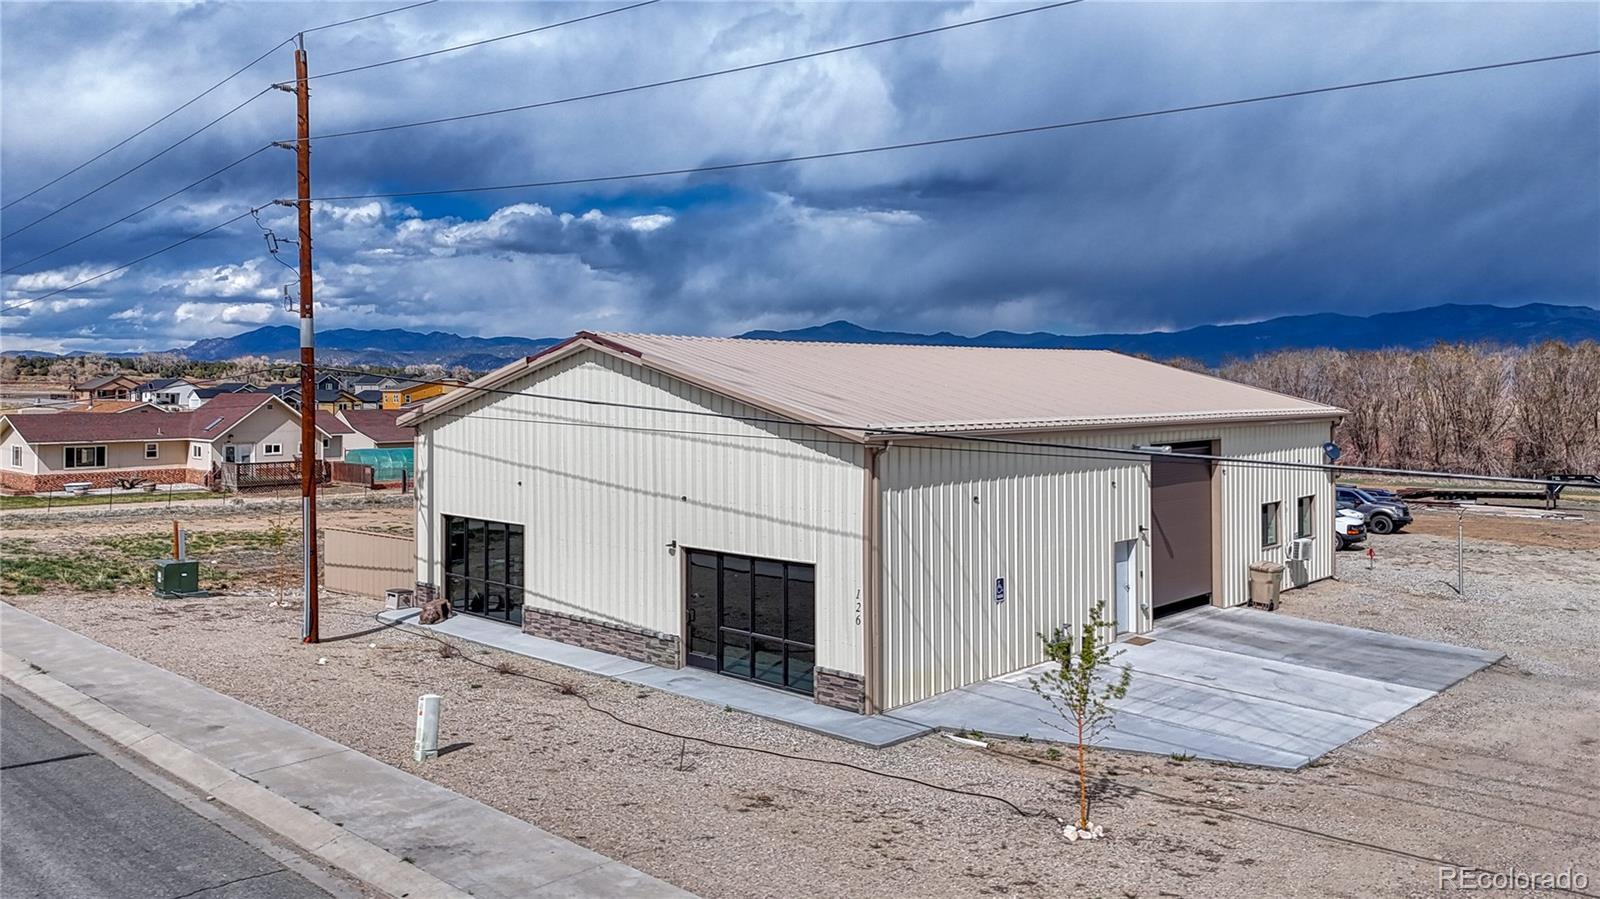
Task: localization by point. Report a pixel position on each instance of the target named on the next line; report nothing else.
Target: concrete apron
(1233, 685)
(399, 833)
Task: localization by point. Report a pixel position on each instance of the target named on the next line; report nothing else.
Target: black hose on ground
(569, 689)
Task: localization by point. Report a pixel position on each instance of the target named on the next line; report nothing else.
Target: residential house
(117, 386)
(336, 399)
(175, 394)
(371, 398)
(101, 406)
(868, 525)
(40, 453)
(211, 391)
(358, 383)
(288, 391)
(410, 392)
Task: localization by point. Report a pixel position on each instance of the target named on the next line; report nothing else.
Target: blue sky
(1481, 188)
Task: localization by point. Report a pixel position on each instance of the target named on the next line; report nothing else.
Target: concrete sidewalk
(773, 704)
(389, 828)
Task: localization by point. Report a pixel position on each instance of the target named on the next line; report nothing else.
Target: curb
(362, 860)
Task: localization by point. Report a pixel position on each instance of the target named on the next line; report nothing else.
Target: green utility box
(175, 578)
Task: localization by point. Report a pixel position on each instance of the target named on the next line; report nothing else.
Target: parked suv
(1385, 514)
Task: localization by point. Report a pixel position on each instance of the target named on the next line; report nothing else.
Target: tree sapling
(1079, 692)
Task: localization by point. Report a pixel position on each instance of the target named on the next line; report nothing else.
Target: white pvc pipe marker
(427, 728)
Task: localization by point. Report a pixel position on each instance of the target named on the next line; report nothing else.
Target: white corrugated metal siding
(959, 515)
(602, 491)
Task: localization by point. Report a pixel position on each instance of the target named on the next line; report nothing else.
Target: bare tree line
(1459, 407)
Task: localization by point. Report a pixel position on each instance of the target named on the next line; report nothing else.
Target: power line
(590, 96)
(172, 146)
(111, 271)
(390, 62)
(197, 97)
(1064, 450)
(699, 77)
(185, 105)
(363, 18)
(148, 206)
(986, 135)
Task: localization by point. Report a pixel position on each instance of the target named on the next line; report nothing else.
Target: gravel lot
(1498, 771)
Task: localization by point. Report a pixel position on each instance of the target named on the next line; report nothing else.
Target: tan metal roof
(932, 388)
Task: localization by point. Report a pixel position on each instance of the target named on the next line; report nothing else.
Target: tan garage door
(1180, 513)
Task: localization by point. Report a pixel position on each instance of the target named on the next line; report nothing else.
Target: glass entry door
(752, 618)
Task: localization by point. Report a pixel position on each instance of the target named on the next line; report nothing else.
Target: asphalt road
(73, 825)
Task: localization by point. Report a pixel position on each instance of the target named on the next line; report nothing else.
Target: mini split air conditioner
(1299, 550)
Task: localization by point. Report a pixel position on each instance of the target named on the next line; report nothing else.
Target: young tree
(1081, 689)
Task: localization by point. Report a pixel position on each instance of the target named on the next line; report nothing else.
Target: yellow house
(336, 400)
(417, 391)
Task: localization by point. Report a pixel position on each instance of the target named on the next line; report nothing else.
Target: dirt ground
(1497, 772)
(1504, 529)
(376, 511)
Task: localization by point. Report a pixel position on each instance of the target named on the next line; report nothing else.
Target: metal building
(820, 517)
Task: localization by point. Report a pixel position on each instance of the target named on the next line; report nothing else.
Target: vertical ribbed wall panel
(958, 515)
(603, 491)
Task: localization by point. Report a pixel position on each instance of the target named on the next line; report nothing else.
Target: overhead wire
(129, 264)
(1052, 448)
(197, 97)
(181, 107)
(145, 208)
(375, 15)
(479, 43)
(698, 77)
(149, 159)
(259, 150)
(932, 142)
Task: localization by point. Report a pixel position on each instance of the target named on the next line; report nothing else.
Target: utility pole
(309, 464)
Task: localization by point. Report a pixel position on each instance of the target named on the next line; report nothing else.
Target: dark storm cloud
(1478, 188)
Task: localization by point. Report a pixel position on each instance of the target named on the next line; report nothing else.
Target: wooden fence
(350, 473)
(367, 563)
(238, 476)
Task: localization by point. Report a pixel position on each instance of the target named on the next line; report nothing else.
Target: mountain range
(357, 346)
(1211, 344)
(1214, 344)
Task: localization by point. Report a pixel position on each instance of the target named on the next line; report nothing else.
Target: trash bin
(1266, 581)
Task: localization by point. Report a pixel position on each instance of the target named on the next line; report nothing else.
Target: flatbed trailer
(1549, 493)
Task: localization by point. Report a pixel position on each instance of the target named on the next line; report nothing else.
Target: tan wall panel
(958, 515)
(605, 492)
(366, 563)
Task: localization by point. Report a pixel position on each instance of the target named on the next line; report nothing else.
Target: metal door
(1122, 589)
(1180, 526)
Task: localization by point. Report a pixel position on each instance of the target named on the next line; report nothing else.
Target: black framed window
(1269, 524)
(1304, 516)
(85, 457)
(753, 619)
(483, 567)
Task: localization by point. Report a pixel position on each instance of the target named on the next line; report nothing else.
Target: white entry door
(1122, 590)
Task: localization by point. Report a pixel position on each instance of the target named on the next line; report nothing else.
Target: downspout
(872, 581)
